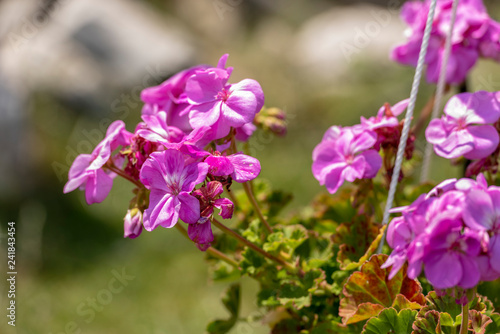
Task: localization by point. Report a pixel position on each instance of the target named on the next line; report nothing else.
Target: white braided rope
(439, 92)
(409, 116)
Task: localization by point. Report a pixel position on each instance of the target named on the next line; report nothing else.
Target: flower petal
(486, 141)
(443, 270)
(201, 234)
(205, 114)
(226, 207)
(98, 186)
(190, 208)
(163, 210)
(246, 168)
(478, 213)
(245, 100)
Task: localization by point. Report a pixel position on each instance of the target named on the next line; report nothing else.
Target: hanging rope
(439, 91)
(408, 117)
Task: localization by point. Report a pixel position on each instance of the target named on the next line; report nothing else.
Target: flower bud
(272, 119)
(132, 223)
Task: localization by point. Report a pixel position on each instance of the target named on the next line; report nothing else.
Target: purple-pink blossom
(220, 105)
(345, 154)
(465, 128)
(87, 171)
(240, 167)
(209, 197)
(474, 35)
(169, 97)
(171, 180)
(452, 233)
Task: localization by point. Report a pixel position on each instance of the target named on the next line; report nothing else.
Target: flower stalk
(254, 247)
(111, 166)
(251, 197)
(464, 327)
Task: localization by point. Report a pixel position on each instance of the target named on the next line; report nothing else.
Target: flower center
(223, 95)
(349, 159)
(462, 124)
(174, 188)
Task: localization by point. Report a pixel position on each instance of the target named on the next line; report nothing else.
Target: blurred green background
(69, 67)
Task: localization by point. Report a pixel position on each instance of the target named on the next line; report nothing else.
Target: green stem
(464, 327)
(212, 251)
(251, 197)
(233, 198)
(118, 171)
(251, 245)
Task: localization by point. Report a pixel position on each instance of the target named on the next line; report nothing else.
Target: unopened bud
(272, 119)
(132, 223)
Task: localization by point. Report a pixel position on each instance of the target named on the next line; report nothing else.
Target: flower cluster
(475, 35)
(183, 154)
(453, 232)
(350, 153)
(467, 128)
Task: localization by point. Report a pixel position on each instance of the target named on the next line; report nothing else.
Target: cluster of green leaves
(334, 282)
(323, 243)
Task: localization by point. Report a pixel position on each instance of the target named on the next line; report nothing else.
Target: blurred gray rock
(329, 43)
(83, 46)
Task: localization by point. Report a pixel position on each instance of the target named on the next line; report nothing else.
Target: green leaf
(479, 322)
(444, 303)
(231, 301)
(252, 262)
(356, 239)
(286, 240)
(369, 252)
(298, 293)
(390, 321)
(369, 291)
(494, 326)
(426, 323)
(254, 232)
(337, 208)
(447, 324)
(339, 277)
(223, 272)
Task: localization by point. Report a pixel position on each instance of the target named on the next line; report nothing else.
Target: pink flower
(86, 171)
(386, 116)
(240, 167)
(456, 134)
(388, 128)
(450, 256)
(482, 213)
(220, 105)
(345, 155)
(170, 181)
(473, 35)
(209, 197)
(453, 233)
(170, 98)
